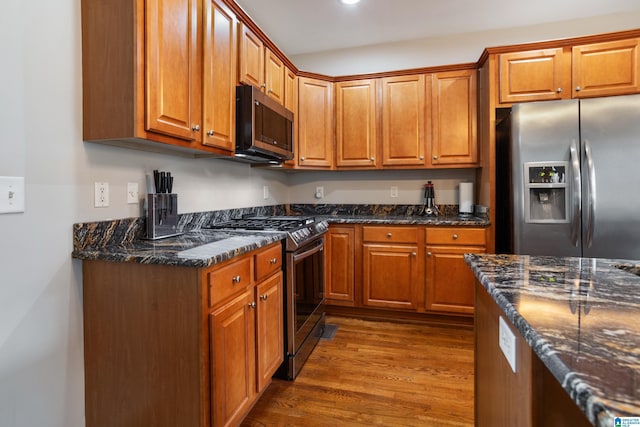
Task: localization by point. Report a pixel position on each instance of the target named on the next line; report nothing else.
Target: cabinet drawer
(228, 280)
(268, 261)
(390, 234)
(455, 236)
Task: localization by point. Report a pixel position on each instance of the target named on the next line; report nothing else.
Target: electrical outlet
(133, 196)
(11, 194)
(507, 342)
(265, 192)
(394, 191)
(319, 192)
(101, 195)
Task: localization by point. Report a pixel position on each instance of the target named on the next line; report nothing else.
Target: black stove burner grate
(264, 223)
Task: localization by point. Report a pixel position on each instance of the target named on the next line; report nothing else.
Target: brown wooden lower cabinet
(403, 269)
(340, 265)
(169, 346)
(528, 397)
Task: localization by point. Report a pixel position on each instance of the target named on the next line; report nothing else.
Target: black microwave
(264, 128)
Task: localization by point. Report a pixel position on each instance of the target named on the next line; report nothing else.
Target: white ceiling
(308, 26)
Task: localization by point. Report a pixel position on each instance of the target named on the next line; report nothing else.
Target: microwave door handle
(591, 177)
(577, 193)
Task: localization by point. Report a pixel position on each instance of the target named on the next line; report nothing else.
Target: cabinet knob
(196, 128)
(414, 254)
(429, 254)
(421, 157)
(559, 90)
(270, 90)
(455, 237)
(252, 304)
(264, 297)
(302, 159)
(263, 85)
(236, 279)
(435, 157)
(273, 261)
(389, 235)
(578, 88)
(373, 159)
(210, 132)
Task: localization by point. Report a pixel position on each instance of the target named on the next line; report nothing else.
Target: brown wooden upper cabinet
(597, 69)
(403, 120)
(603, 69)
(315, 123)
(219, 76)
(139, 92)
(535, 75)
(259, 66)
(356, 124)
(454, 115)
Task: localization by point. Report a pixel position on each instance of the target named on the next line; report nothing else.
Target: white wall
(41, 354)
(373, 187)
(462, 48)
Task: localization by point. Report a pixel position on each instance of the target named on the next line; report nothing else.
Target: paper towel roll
(466, 198)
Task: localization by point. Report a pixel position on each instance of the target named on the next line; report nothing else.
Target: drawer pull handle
(264, 297)
(252, 304)
(389, 235)
(273, 261)
(236, 279)
(455, 237)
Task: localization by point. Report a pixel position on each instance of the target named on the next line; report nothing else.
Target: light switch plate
(319, 193)
(394, 191)
(507, 341)
(265, 192)
(11, 194)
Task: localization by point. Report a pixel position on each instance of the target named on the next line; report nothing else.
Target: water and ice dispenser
(546, 195)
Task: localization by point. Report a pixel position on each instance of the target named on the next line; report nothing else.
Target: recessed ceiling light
(349, 1)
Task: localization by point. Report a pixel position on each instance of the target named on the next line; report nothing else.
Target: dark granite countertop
(582, 319)
(449, 220)
(197, 248)
(121, 240)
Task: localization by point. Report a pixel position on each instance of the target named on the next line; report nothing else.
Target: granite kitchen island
(576, 324)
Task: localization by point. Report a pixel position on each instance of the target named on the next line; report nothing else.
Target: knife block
(162, 215)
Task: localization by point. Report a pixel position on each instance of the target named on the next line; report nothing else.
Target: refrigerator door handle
(577, 193)
(591, 177)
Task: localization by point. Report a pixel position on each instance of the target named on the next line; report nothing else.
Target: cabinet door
(356, 123)
(251, 58)
(173, 67)
(390, 276)
(315, 121)
(603, 69)
(403, 120)
(340, 262)
(450, 282)
(274, 76)
(535, 75)
(233, 360)
(454, 116)
(269, 329)
(219, 76)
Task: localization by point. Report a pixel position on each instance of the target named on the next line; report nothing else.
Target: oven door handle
(319, 247)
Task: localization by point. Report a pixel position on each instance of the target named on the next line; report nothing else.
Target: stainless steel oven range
(303, 252)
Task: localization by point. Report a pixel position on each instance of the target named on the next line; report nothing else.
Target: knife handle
(169, 183)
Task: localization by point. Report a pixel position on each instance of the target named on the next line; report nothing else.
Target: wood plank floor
(377, 373)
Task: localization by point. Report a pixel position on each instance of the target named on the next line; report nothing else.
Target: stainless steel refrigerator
(568, 178)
